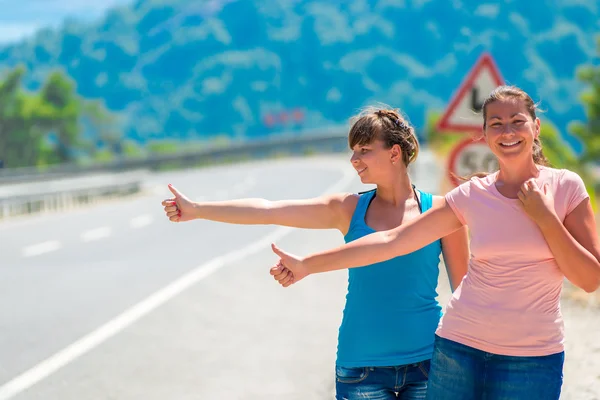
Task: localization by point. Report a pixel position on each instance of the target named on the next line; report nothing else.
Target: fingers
(533, 185)
(530, 185)
(546, 188)
(285, 278)
(170, 208)
(282, 254)
(279, 272)
(175, 192)
(172, 211)
(276, 249)
(277, 269)
(288, 283)
(282, 275)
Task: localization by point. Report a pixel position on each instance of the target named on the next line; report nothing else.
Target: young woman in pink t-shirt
(531, 226)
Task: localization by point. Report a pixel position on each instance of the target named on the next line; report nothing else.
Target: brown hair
(513, 92)
(388, 126)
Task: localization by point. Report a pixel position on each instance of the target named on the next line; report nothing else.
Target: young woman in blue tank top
(386, 337)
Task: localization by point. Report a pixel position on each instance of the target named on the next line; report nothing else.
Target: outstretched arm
(325, 212)
(379, 246)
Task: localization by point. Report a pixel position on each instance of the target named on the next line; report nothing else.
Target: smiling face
(510, 126)
(374, 162)
(383, 144)
(510, 129)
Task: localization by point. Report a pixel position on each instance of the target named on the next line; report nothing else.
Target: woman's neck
(514, 174)
(397, 192)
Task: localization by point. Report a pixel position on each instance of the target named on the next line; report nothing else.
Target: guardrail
(289, 144)
(29, 190)
(27, 198)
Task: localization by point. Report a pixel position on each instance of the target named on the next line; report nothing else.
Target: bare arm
(325, 212)
(380, 246)
(455, 250)
(318, 213)
(576, 246)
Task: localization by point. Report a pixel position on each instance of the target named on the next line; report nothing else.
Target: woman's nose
(507, 129)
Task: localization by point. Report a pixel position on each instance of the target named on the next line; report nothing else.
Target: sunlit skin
(510, 131)
(394, 204)
(372, 162)
(382, 166)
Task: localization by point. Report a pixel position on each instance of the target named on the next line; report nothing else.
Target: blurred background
(103, 104)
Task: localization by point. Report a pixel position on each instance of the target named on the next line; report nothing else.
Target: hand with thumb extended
(282, 275)
(290, 268)
(178, 208)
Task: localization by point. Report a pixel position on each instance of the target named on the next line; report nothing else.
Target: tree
(21, 127)
(43, 128)
(589, 132)
(61, 109)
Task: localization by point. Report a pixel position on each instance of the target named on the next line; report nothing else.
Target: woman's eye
(496, 124)
(519, 122)
(363, 150)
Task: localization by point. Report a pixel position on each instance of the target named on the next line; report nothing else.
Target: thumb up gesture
(289, 269)
(178, 208)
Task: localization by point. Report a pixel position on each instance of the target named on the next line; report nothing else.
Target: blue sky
(21, 18)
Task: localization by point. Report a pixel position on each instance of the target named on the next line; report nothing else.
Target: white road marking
(96, 234)
(41, 248)
(141, 221)
(128, 317)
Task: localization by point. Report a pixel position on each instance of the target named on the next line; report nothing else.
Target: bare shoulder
(345, 203)
(342, 206)
(437, 201)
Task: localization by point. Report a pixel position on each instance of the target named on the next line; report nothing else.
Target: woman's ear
(395, 154)
(538, 125)
(481, 135)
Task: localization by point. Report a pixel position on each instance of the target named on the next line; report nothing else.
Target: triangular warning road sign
(461, 114)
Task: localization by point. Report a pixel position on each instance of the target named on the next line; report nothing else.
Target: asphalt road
(113, 302)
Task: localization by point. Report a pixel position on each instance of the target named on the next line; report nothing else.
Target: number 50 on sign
(469, 157)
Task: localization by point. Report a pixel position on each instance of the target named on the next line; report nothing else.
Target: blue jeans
(462, 372)
(406, 382)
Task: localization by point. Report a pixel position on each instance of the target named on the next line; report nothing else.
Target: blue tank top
(391, 311)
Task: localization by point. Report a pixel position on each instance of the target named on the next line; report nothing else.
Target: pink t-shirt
(509, 301)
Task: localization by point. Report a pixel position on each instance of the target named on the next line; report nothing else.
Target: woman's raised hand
(537, 202)
(289, 269)
(178, 208)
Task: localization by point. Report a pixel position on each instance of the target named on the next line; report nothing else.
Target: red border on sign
(484, 60)
(454, 155)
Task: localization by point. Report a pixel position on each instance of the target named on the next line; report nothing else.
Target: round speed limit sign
(468, 157)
